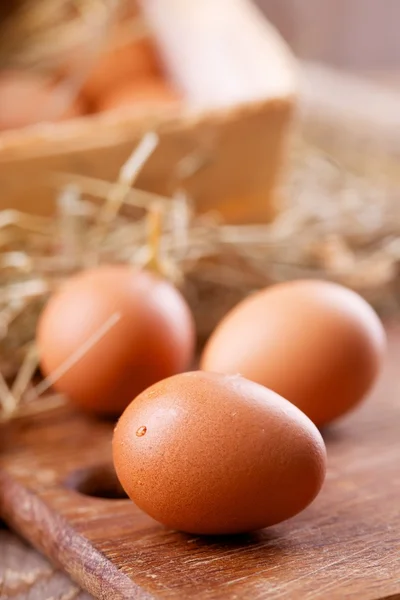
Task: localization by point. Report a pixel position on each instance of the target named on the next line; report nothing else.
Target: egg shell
(140, 93)
(208, 453)
(75, 109)
(316, 343)
(28, 98)
(153, 338)
(118, 66)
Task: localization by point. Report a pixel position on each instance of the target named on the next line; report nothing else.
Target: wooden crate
(239, 83)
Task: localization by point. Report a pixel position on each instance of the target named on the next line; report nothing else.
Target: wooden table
(346, 545)
(25, 574)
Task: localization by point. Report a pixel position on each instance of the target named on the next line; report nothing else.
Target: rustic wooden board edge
(54, 537)
(106, 130)
(253, 137)
(26, 574)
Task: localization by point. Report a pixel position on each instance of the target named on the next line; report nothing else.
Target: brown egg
(214, 454)
(148, 334)
(119, 66)
(316, 343)
(75, 109)
(27, 98)
(141, 93)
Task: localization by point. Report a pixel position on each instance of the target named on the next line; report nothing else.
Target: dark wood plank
(25, 574)
(346, 545)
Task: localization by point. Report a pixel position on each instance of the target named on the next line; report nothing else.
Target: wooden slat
(222, 54)
(26, 574)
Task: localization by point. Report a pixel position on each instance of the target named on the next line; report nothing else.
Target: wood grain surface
(346, 545)
(25, 574)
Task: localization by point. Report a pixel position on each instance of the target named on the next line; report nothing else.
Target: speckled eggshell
(153, 338)
(207, 453)
(318, 344)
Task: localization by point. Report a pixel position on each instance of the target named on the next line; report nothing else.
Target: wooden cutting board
(346, 545)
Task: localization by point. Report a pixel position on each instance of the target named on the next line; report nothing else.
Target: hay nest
(41, 34)
(334, 224)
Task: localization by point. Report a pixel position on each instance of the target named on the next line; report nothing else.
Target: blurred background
(358, 35)
(61, 40)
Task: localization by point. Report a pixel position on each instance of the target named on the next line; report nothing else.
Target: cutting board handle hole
(97, 482)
